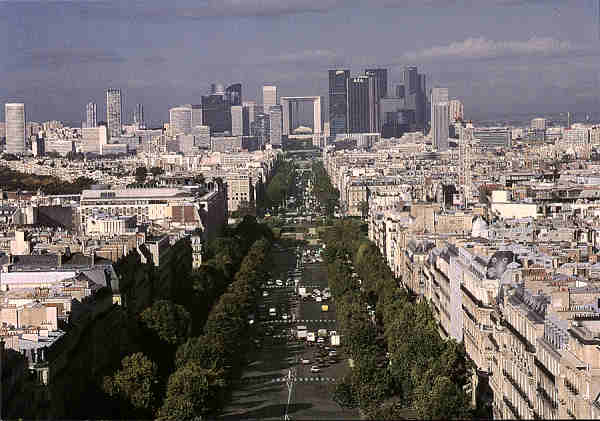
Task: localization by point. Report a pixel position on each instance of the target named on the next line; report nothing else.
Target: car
(265, 294)
(279, 282)
(269, 282)
(320, 340)
(305, 361)
(333, 353)
(284, 316)
(315, 369)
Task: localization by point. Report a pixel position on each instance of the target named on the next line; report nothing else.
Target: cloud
(152, 60)
(59, 57)
(483, 49)
(160, 11)
(306, 56)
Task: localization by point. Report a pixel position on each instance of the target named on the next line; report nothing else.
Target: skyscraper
(382, 81)
(90, 115)
(260, 129)
(14, 114)
(196, 115)
(411, 79)
(538, 124)
(414, 93)
(233, 94)
(439, 121)
(339, 84)
(359, 104)
(180, 120)
(138, 115)
(439, 125)
(113, 112)
(276, 124)
(216, 113)
(249, 114)
(237, 120)
(456, 110)
(269, 97)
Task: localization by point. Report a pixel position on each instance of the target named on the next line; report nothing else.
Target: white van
(272, 311)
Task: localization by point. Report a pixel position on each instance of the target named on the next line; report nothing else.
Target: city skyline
(491, 59)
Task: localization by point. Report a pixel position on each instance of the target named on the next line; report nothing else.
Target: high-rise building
(382, 81)
(456, 110)
(138, 116)
(493, 137)
(233, 94)
(439, 125)
(113, 112)
(261, 129)
(249, 114)
(14, 114)
(216, 113)
(180, 120)
(339, 108)
(538, 124)
(90, 115)
(301, 111)
(439, 95)
(269, 97)
(216, 107)
(359, 101)
(201, 136)
(196, 115)
(276, 124)
(237, 120)
(93, 138)
(569, 120)
(414, 93)
(411, 79)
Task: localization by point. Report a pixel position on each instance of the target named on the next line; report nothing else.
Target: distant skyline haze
(497, 56)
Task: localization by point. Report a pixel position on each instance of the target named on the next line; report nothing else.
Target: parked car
(333, 353)
(305, 361)
(320, 340)
(265, 294)
(315, 369)
(279, 282)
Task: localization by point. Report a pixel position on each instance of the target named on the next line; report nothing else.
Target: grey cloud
(59, 57)
(161, 12)
(482, 49)
(321, 56)
(151, 60)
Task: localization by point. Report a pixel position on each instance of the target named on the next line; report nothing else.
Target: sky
(497, 56)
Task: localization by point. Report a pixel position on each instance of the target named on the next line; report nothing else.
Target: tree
(193, 392)
(170, 322)
(206, 350)
(344, 394)
(140, 174)
(136, 382)
(445, 400)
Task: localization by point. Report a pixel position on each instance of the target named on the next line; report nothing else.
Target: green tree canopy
(192, 392)
(136, 382)
(170, 322)
(206, 350)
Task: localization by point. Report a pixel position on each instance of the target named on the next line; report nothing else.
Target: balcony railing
(542, 392)
(572, 388)
(518, 388)
(512, 408)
